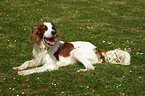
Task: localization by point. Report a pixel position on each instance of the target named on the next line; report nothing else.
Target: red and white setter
(52, 53)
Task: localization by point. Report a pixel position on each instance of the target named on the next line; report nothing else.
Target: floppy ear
(36, 35)
(57, 38)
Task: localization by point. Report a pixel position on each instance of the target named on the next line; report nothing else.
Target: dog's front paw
(23, 73)
(17, 68)
(26, 72)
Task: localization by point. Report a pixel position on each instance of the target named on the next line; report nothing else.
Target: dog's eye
(53, 28)
(45, 28)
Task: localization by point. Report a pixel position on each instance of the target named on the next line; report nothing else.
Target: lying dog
(52, 53)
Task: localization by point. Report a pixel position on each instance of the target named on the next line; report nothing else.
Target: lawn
(108, 24)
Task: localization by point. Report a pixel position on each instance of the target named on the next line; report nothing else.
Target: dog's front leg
(43, 68)
(26, 65)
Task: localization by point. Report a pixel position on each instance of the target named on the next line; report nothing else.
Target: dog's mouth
(49, 41)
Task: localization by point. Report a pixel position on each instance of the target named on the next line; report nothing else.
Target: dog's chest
(39, 54)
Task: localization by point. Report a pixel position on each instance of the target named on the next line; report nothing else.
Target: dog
(52, 53)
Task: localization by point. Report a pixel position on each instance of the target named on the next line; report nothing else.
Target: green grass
(108, 24)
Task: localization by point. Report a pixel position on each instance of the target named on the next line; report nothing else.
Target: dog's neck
(42, 46)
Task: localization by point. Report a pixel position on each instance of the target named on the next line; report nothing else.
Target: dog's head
(45, 32)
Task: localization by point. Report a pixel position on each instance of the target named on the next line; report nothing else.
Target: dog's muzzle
(49, 41)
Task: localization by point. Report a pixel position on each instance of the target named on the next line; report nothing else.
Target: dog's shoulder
(64, 50)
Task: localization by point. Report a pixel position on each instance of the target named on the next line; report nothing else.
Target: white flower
(129, 49)
(88, 87)
(139, 53)
(120, 84)
(54, 84)
(104, 41)
(22, 92)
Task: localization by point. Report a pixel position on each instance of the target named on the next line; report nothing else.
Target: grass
(108, 24)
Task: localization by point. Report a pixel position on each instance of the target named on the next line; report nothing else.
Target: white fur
(82, 44)
(48, 32)
(117, 57)
(83, 52)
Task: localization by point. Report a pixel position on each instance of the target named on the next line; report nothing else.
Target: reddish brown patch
(64, 50)
(38, 33)
(57, 38)
(102, 56)
(104, 51)
(98, 53)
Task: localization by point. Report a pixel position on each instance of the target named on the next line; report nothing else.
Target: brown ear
(37, 34)
(99, 53)
(57, 38)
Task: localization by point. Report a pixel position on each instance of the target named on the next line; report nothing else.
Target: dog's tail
(116, 57)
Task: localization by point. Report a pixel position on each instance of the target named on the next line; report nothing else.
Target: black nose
(53, 32)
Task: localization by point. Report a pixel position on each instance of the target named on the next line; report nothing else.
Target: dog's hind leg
(86, 56)
(26, 65)
(87, 65)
